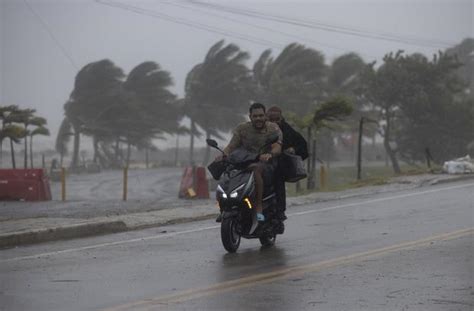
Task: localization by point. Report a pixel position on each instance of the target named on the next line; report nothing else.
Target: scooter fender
(230, 214)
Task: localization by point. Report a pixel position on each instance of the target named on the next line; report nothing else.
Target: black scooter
(236, 196)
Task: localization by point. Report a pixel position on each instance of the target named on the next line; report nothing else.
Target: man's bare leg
(258, 175)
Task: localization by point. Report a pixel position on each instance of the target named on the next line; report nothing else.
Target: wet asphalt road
(410, 250)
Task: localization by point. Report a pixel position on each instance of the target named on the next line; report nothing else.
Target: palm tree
(344, 80)
(40, 129)
(4, 113)
(11, 115)
(63, 138)
(344, 75)
(218, 91)
(25, 116)
(151, 107)
(96, 88)
(295, 80)
(15, 133)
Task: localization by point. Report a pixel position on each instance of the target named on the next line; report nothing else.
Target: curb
(61, 233)
(174, 221)
(454, 179)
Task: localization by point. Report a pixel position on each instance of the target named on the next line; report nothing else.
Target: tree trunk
(191, 145)
(107, 159)
(25, 162)
(313, 166)
(31, 151)
(117, 149)
(1, 153)
(359, 149)
(146, 157)
(392, 156)
(207, 154)
(176, 154)
(77, 142)
(12, 149)
(389, 150)
(310, 162)
(95, 143)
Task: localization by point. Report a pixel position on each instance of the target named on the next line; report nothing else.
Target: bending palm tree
(295, 80)
(95, 91)
(40, 129)
(218, 91)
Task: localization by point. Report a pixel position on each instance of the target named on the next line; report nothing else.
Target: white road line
(380, 200)
(153, 237)
(167, 235)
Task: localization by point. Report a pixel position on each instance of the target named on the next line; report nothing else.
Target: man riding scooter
(252, 136)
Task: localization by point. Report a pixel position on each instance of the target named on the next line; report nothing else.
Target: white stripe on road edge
(153, 237)
(167, 235)
(379, 200)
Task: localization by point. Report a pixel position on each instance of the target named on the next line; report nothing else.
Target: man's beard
(258, 124)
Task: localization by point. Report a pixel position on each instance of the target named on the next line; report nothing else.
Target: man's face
(274, 116)
(257, 117)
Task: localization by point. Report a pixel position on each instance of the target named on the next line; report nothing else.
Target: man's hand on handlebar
(220, 157)
(265, 157)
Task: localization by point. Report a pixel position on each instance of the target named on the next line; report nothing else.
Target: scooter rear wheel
(229, 236)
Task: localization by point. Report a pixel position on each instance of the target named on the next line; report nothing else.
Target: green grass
(343, 178)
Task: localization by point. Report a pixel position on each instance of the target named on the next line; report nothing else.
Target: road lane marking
(286, 273)
(172, 234)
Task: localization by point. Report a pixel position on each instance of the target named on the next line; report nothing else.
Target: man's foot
(282, 216)
(260, 217)
(219, 218)
(280, 228)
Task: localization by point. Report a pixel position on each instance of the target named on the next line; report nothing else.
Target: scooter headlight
(234, 194)
(221, 191)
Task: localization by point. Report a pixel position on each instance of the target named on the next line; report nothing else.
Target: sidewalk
(27, 223)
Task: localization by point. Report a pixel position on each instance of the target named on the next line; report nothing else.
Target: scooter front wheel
(229, 235)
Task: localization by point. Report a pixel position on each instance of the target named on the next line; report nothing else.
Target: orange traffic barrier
(24, 184)
(186, 183)
(194, 183)
(201, 183)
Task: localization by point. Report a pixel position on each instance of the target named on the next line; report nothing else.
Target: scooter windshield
(242, 157)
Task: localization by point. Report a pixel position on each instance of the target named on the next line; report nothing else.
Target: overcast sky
(45, 42)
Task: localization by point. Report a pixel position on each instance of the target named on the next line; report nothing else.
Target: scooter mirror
(211, 143)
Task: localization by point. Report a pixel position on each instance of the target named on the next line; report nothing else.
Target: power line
(324, 26)
(320, 25)
(260, 27)
(48, 30)
(192, 24)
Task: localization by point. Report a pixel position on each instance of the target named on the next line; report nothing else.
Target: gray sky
(45, 42)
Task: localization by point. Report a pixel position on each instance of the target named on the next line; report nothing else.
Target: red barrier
(186, 184)
(202, 184)
(24, 184)
(194, 184)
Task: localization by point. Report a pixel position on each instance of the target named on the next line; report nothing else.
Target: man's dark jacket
(292, 138)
